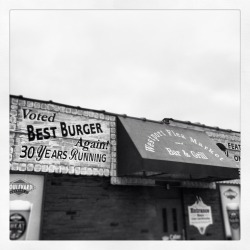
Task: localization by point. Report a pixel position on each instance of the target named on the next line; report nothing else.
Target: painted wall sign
(25, 206)
(20, 187)
(234, 219)
(230, 194)
(233, 155)
(18, 226)
(232, 150)
(234, 146)
(59, 139)
(230, 201)
(200, 215)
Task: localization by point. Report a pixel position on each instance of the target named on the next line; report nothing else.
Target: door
(170, 219)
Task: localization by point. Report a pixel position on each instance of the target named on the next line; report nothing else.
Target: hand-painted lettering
(28, 114)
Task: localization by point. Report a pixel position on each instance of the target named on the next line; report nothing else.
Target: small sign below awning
(163, 151)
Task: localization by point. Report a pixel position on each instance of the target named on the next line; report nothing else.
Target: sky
(180, 64)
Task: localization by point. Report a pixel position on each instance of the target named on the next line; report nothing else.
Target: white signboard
(230, 199)
(26, 193)
(200, 215)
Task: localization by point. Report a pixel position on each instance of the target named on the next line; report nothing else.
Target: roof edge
(124, 115)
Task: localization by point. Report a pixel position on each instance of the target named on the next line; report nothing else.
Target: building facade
(80, 174)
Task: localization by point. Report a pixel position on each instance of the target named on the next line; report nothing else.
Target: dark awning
(168, 152)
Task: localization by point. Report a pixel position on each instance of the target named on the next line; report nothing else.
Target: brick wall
(210, 198)
(90, 208)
